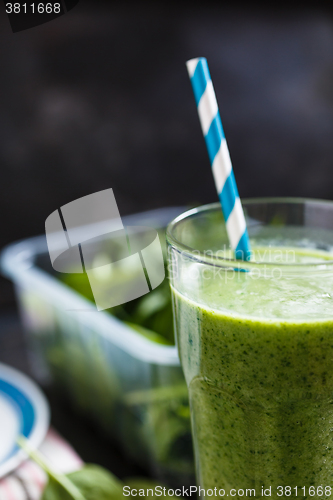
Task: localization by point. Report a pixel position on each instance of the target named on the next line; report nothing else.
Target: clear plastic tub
(132, 387)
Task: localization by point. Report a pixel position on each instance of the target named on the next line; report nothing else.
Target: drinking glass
(255, 341)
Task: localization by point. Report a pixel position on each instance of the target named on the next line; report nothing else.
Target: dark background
(100, 98)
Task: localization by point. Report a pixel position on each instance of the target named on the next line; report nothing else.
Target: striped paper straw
(219, 157)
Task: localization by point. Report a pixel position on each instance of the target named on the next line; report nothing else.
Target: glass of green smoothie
(255, 341)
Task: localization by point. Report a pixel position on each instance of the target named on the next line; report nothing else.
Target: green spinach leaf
(89, 483)
(94, 483)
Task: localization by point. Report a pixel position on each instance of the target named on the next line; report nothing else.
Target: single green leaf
(55, 491)
(91, 482)
(63, 484)
(96, 483)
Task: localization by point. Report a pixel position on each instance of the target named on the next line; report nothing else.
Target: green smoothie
(257, 354)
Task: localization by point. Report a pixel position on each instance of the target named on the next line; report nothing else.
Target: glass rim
(217, 260)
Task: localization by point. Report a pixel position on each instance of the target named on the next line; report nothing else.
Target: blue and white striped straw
(219, 157)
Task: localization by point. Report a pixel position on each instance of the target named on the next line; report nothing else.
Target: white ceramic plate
(23, 411)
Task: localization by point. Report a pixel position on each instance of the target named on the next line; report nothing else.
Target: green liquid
(258, 359)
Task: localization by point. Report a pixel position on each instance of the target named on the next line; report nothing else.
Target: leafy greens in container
(150, 315)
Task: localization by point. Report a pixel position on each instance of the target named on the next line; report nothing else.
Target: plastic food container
(131, 386)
